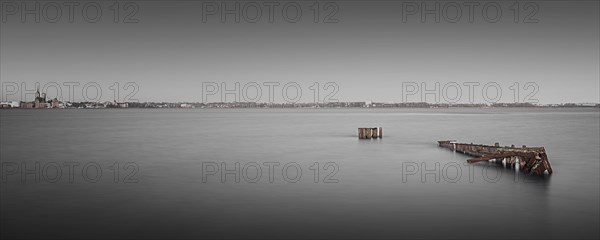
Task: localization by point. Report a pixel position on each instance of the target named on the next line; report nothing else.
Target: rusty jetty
(529, 160)
(368, 133)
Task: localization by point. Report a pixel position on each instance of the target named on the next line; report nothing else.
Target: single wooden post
(362, 134)
(380, 132)
(375, 132)
(369, 134)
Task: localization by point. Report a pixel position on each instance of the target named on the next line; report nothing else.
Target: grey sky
(369, 53)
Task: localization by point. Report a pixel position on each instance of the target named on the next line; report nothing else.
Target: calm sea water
(153, 184)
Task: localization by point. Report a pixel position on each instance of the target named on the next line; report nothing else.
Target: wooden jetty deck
(529, 160)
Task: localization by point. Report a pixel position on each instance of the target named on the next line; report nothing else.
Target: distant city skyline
(41, 101)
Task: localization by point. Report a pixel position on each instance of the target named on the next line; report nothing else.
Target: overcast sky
(369, 51)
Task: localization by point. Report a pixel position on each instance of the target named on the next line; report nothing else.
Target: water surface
(370, 196)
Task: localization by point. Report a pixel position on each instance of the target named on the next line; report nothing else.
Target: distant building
(55, 103)
(40, 101)
(123, 105)
(13, 104)
(27, 105)
(186, 105)
(115, 104)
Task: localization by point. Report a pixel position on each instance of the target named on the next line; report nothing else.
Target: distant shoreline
(341, 105)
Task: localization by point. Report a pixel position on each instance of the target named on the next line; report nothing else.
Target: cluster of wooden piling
(368, 133)
(529, 160)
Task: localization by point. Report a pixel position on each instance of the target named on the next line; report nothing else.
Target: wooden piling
(368, 133)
